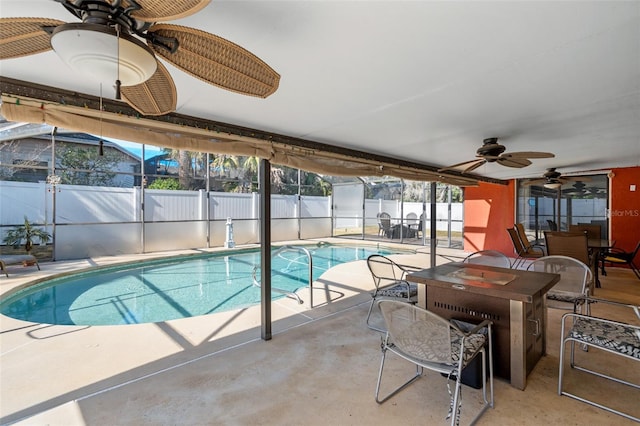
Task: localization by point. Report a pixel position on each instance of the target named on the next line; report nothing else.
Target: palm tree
(225, 163)
(26, 233)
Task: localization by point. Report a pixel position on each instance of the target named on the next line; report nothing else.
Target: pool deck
(319, 368)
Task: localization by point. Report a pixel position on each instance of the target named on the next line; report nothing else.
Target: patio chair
(593, 231)
(420, 225)
(389, 279)
(525, 239)
(615, 337)
(522, 254)
(489, 258)
(412, 222)
(384, 224)
(617, 256)
(573, 287)
(429, 341)
(553, 226)
(572, 244)
(16, 259)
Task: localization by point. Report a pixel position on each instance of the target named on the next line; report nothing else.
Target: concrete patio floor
(320, 367)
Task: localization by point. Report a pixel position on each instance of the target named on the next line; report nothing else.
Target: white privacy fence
(93, 221)
(88, 221)
(445, 216)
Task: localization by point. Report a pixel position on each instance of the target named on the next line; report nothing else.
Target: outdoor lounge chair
(16, 259)
(431, 342)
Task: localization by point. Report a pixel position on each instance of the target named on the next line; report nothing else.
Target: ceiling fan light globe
(98, 52)
(553, 185)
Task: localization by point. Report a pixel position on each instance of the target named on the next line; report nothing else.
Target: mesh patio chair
(617, 256)
(412, 222)
(429, 341)
(572, 244)
(390, 281)
(593, 231)
(420, 228)
(614, 337)
(573, 287)
(384, 224)
(525, 240)
(489, 258)
(522, 254)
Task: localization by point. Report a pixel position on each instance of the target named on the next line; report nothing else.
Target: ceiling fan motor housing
(490, 148)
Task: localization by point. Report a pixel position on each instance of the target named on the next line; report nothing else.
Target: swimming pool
(172, 288)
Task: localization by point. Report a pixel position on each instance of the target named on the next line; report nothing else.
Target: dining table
(597, 246)
(513, 299)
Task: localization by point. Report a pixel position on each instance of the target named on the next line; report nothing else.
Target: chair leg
(373, 301)
(635, 269)
(398, 389)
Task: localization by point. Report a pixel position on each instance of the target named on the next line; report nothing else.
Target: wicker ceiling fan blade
(516, 163)
(25, 36)
(535, 182)
(528, 154)
(217, 61)
(474, 166)
(165, 10)
(464, 166)
(156, 96)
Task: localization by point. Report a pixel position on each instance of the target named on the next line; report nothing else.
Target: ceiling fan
(119, 41)
(492, 152)
(553, 179)
(580, 189)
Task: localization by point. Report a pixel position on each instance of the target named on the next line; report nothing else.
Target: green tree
(190, 165)
(165, 183)
(81, 165)
(224, 163)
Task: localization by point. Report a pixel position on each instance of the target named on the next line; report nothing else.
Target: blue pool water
(171, 288)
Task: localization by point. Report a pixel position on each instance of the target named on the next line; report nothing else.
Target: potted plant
(26, 233)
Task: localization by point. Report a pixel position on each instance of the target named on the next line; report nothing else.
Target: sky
(136, 148)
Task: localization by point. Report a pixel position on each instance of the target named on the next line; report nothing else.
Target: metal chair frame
(390, 280)
(521, 252)
(588, 330)
(562, 295)
(618, 256)
(489, 258)
(412, 346)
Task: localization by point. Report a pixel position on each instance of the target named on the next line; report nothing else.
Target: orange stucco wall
(489, 210)
(625, 208)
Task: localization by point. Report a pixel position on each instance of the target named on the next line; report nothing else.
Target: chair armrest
(485, 323)
(475, 329)
(406, 269)
(635, 308)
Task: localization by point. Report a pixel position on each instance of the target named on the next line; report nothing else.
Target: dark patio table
(597, 246)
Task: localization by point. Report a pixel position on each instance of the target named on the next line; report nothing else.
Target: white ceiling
(418, 80)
